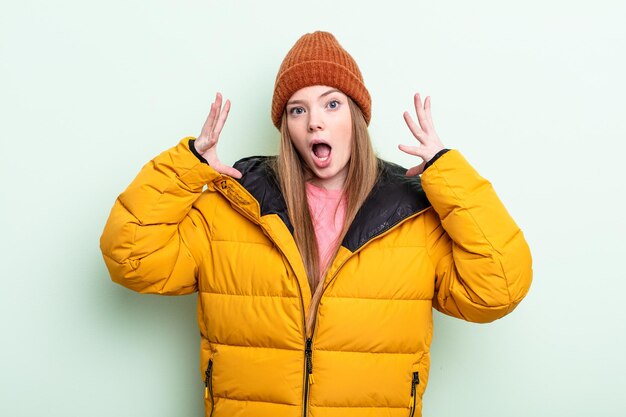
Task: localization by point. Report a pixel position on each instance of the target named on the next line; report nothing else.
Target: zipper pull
(207, 378)
(206, 384)
(414, 383)
(309, 360)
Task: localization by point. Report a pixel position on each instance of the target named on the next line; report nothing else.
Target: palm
(206, 144)
(429, 142)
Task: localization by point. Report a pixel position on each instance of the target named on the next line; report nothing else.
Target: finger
(421, 115)
(218, 108)
(208, 123)
(413, 127)
(222, 119)
(412, 150)
(429, 116)
(225, 169)
(416, 170)
(233, 172)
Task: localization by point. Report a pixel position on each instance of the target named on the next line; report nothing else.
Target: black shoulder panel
(259, 179)
(394, 198)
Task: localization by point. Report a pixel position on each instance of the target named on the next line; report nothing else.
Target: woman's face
(320, 125)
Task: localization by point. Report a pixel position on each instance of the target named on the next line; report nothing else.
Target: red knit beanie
(318, 59)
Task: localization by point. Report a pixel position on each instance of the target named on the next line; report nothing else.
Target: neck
(336, 182)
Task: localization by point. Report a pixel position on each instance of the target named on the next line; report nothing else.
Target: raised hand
(429, 142)
(206, 143)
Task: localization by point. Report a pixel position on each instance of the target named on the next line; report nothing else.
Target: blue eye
(296, 110)
(333, 104)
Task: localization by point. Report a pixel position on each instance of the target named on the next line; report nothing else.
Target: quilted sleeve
(150, 237)
(482, 262)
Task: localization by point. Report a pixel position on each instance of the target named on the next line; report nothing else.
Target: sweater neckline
(319, 192)
(393, 198)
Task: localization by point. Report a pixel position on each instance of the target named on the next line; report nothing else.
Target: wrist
(192, 148)
(435, 157)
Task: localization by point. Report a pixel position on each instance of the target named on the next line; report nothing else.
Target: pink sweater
(328, 212)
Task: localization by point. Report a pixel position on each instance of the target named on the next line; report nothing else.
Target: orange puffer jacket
(445, 241)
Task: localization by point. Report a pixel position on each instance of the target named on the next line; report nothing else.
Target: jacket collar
(393, 199)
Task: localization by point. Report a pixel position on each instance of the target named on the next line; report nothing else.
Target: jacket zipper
(308, 374)
(308, 352)
(376, 236)
(413, 400)
(208, 384)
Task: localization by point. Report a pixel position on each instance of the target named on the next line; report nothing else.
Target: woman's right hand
(206, 143)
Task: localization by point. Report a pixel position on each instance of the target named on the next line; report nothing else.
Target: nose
(315, 121)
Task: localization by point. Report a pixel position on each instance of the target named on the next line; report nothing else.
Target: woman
(317, 270)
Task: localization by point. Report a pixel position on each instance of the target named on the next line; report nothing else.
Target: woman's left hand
(429, 142)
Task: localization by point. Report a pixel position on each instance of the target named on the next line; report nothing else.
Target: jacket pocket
(208, 384)
(413, 401)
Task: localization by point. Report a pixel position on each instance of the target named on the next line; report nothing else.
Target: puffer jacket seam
(254, 347)
(398, 246)
(177, 179)
(128, 210)
(378, 299)
(241, 242)
(249, 295)
(137, 261)
(151, 285)
(138, 222)
(358, 406)
(210, 223)
(175, 182)
(366, 353)
(193, 167)
(493, 249)
(255, 401)
(430, 257)
(129, 261)
(299, 405)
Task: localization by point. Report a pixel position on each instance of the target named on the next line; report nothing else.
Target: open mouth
(321, 151)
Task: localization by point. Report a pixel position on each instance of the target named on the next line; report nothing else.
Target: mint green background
(531, 92)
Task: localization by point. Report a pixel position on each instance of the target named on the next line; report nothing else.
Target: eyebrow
(334, 90)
